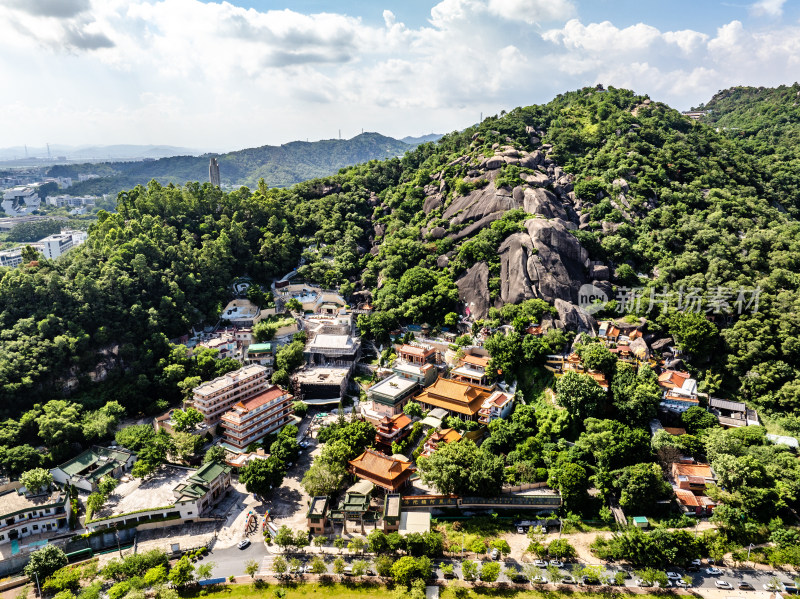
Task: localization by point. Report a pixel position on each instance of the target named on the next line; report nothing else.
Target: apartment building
(23, 514)
(213, 398)
(56, 245)
(251, 419)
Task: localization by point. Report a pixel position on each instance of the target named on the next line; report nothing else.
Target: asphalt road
(231, 561)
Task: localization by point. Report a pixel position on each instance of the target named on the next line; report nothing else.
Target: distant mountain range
(279, 166)
(59, 152)
(421, 139)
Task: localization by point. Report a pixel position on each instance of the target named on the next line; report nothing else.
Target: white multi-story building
(21, 200)
(214, 398)
(67, 200)
(256, 417)
(56, 245)
(11, 258)
(182, 494)
(23, 514)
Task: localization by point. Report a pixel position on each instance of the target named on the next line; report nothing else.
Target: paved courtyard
(136, 494)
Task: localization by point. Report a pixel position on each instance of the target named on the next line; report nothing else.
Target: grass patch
(364, 591)
(534, 382)
(471, 530)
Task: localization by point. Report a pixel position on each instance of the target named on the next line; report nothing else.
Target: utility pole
(340, 134)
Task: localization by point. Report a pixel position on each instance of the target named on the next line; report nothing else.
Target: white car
(538, 580)
(556, 563)
(697, 562)
(771, 586)
(568, 579)
(723, 584)
(540, 563)
(712, 571)
(682, 584)
(673, 575)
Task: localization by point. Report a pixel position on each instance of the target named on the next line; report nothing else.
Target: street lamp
(748, 551)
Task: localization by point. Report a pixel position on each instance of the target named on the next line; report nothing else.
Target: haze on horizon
(230, 75)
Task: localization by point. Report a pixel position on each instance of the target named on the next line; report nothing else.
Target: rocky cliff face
(545, 262)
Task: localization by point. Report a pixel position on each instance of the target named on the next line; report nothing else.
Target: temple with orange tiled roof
(389, 473)
(458, 398)
(392, 430)
(442, 437)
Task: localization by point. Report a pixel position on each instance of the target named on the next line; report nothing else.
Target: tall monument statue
(213, 172)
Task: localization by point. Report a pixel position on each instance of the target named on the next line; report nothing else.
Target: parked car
(569, 579)
(790, 588)
(712, 571)
(723, 584)
(556, 563)
(745, 586)
(538, 580)
(520, 530)
(519, 578)
(673, 575)
(540, 563)
(495, 554)
(683, 584)
(348, 570)
(696, 562)
(589, 579)
(244, 544)
(643, 583)
(771, 586)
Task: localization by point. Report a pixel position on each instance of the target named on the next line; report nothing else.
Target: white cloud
(767, 8)
(202, 74)
(532, 11)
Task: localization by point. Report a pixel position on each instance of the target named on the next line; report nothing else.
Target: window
(35, 527)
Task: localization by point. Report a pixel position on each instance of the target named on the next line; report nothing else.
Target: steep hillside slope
(597, 186)
(766, 123)
(656, 201)
(279, 166)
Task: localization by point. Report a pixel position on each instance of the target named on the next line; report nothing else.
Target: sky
(241, 73)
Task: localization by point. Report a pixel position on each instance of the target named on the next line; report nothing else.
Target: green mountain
(507, 219)
(766, 123)
(279, 166)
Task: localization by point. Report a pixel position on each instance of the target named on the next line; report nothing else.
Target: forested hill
(766, 123)
(279, 166)
(604, 187)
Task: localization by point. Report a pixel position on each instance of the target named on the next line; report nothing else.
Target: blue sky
(226, 75)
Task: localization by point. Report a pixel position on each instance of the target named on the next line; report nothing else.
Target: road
(231, 561)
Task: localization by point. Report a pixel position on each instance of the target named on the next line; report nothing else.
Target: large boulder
(473, 228)
(538, 178)
(545, 261)
(574, 317)
(438, 232)
(433, 202)
(532, 160)
(473, 290)
(543, 202)
(493, 163)
(480, 203)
